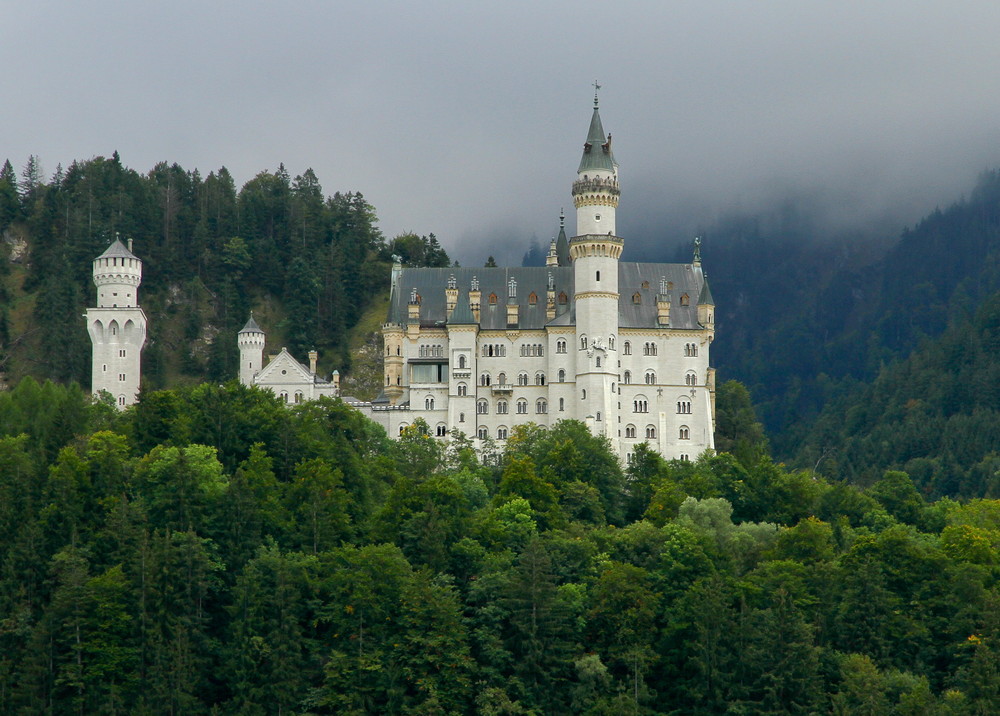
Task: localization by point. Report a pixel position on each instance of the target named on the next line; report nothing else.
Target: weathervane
(596, 88)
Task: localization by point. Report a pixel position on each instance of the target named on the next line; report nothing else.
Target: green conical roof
(597, 151)
(562, 243)
(705, 297)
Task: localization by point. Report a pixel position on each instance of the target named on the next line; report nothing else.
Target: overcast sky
(467, 119)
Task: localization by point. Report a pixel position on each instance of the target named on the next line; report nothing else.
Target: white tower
(595, 252)
(117, 326)
(251, 342)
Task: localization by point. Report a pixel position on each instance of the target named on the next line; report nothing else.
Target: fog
(467, 120)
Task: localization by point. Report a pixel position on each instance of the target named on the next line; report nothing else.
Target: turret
(596, 192)
(251, 342)
(595, 252)
(117, 326)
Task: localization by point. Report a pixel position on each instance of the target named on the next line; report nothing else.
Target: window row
(484, 433)
(650, 432)
(486, 379)
(431, 351)
(503, 407)
(494, 351)
(531, 350)
(284, 397)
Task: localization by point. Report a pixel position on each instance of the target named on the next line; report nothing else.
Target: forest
(211, 550)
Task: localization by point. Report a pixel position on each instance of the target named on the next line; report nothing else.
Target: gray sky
(466, 119)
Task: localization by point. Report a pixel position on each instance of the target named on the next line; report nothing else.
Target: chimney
(130, 245)
(313, 357)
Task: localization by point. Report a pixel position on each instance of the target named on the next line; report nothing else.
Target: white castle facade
(117, 326)
(284, 376)
(621, 346)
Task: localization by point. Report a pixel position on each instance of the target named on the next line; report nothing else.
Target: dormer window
(637, 298)
(685, 300)
(532, 298)
(493, 299)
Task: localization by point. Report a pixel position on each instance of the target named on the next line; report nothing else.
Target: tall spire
(562, 244)
(597, 149)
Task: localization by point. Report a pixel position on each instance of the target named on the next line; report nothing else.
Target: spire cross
(596, 88)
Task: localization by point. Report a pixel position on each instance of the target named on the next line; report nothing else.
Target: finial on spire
(562, 218)
(596, 88)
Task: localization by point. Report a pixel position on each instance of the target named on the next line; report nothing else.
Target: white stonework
(622, 346)
(117, 326)
(290, 380)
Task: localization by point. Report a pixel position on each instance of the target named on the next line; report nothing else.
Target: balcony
(502, 388)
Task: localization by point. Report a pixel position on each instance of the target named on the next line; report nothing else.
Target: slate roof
(251, 326)
(430, 283)
(117, 250)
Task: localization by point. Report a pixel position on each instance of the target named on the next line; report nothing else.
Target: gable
(284, 369)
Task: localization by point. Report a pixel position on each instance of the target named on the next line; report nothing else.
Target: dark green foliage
(213, 550)
(206, 248)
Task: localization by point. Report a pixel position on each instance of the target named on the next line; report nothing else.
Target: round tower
(117, 326)
(251, 342)
(594, 253)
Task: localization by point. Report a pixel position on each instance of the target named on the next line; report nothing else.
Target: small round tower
(117, 326)
(251, 343)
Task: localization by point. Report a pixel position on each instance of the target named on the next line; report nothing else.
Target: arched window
(522, 378)
(522, 407)
(684, 406)
(442, 430)
(484, 379)
(627, 348)
(298, 396)
(463, 389)
(482, 407)
(482, 433)
(283, 396)
(461, 417)
(501, 433)
(640, 405)
(402, 428)
(650, 378)
(501, 407)
(611, 343)
(649, 349)
(684, 433)
(541, 406)
(428, 403)
(583, 342)
(539, 378)
(598, 416)
(562, 404)
(691, 378)
(630, 431)
(560, 346)
(627, 377)
(461, 361)
(598, 361)
(562, 376)
(650, 432)
(584, 393)
(502, 379)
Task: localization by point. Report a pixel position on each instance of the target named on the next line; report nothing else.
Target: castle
(621, 346)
